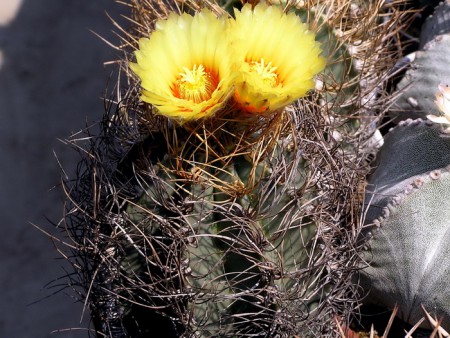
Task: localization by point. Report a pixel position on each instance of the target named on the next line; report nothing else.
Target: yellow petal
(185, 67)
(267, 36)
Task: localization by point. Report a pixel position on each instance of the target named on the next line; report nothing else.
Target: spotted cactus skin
(410, 251)
(408, 216)
(436, 24)
(427, 68)
(417, 89)
(408, 223)
(411, 149)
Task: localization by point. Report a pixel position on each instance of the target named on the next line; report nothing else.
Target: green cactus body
(411, 149)
(244, 226)
(244, 256)
(340, 77)
(409, 251)
(409, 221)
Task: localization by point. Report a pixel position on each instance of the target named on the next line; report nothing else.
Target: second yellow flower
(277, 58)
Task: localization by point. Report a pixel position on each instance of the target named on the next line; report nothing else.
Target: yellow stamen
(265, 71)
(196, 84)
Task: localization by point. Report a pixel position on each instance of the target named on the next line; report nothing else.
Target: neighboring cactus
(407, 218)
(436, 24)
(416, 90)
(418, 87)
(234, 225)
(408, 223)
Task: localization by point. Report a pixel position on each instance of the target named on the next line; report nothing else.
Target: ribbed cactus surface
(244, 223)
(436, 24)
(417, 89)
(243, 243)
(408, 222)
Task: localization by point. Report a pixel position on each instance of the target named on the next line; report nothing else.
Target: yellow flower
(443, 103)
(276, 55)
(185, 66)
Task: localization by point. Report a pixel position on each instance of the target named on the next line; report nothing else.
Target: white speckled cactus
(429, 67)
(408, 223)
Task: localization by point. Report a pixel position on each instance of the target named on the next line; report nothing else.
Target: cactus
(413, 148)
(436, 24)
(408, 221)
(407, 215)
(416, 90)
(235, 225)
(240, 240)
(227, 250)
(419, 86)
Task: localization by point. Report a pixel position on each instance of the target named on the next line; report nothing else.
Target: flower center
(196, 84)
(265, 71)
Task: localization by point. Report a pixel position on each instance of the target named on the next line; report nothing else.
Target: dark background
(52, 80)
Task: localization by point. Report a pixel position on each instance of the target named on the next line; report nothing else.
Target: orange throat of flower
(196, 84)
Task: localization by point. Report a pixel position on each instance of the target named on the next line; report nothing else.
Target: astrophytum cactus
(436, 24)
(243, 245)
(416, 90)
(408, 223)
(214, 203)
